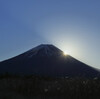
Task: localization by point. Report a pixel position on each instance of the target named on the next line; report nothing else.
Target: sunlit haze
(65, 53)
(71, 25)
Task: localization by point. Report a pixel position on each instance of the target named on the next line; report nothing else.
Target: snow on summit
(44, 50)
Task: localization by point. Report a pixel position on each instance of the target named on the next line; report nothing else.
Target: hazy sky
(71, 25)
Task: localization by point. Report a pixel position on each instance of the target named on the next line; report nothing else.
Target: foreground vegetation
(35, 87)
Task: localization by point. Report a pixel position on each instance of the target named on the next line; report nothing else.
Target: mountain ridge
(47, 60)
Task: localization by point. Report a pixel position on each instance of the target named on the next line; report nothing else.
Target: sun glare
(65, 53)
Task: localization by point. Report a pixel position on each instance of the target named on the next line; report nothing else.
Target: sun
(65, 53)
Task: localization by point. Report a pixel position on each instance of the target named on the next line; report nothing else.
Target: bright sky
(71, 25)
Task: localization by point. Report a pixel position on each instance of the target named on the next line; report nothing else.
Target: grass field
(34, 87)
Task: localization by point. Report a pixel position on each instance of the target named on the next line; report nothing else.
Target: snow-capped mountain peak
(44, 50)
(47, 60)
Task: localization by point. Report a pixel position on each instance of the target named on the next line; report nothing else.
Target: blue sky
(71, 25)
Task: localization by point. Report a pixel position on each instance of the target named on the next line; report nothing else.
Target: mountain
(47, 60)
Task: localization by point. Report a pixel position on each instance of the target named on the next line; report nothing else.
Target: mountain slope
(47, 60)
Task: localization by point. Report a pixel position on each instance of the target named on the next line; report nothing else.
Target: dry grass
(46, 88)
